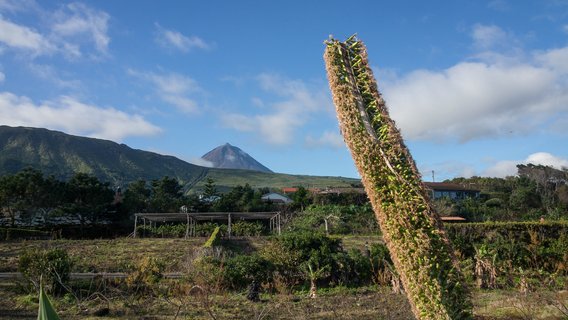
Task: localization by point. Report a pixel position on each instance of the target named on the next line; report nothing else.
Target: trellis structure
(191, 219)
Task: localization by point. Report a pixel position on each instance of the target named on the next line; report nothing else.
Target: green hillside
(257, 179)
(62, 155)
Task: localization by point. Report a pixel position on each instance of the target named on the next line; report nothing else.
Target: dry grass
(508, 304)
(117, 255)
(113, 255)
(362, 303)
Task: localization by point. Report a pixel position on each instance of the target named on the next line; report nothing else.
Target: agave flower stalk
(411, 228)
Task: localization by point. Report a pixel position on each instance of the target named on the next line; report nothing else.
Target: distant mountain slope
(62, 155)
(231, 157)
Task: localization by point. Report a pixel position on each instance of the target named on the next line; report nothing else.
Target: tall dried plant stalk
(412, 230)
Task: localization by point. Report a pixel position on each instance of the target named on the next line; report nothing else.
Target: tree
(412, 230)
(301, 198)
(27, 193)
(88, 198)
(241, 199)
(166, 195)
(137, 197)
(210, 190)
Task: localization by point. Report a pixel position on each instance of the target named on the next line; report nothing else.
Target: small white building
(276, 198)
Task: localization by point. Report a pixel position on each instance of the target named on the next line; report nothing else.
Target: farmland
(170, 297)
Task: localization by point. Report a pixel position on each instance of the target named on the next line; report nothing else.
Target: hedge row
(527, 245)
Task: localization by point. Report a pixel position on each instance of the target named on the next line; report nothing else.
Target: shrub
(148, 272)
(247, 229)
(205, 269)
(347, 219)
(527, 245)
(241, 270)
(359, 268)
(170, 230)
(52, 267)
(205, 229)
(292, 252)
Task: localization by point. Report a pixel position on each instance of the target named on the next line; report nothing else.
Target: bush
(247, 229)
(205, 229)
(293, 253)
(206, 268)
(147, 273)
(51, 267)
(346, 219)
(241, 270)
(527, 245)
(357, 268)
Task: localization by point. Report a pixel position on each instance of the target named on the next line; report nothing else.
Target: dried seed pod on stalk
(412, 230)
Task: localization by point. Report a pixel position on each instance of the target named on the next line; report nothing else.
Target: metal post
(144, 220)
(229, 227)
(135, 224)
(187, 226)
(279, 231)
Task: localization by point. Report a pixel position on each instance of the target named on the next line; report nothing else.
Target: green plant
(146, 274)
(485, 268)
(52, 267)
(206, 228)
(247, 229)
(412, 230)
(241, 270)
(214, 239)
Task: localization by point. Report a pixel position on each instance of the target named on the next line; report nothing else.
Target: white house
(276, 198)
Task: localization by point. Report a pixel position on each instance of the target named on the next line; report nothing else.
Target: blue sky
(475, 86)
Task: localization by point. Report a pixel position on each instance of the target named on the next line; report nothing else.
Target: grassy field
(178, 299)
(118, 255)
(226, 179)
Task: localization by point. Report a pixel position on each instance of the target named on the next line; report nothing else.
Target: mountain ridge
(228, 156)
(62, 155)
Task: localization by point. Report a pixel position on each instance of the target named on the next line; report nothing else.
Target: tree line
(537, 192)
(29, 196)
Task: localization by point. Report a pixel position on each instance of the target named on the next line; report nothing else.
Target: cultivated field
(180, 299)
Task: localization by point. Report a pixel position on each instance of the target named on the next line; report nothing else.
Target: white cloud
(68, 31)
(74, 117)
(485, 36)
(481, 99)
(172, 88)
(501, 169)
(239, 122)
(17, 5)
(176, 40)
(547, 159)
(498, 5)
(23, 38)
(555, 59)
(509, 167)
(201, 162)
(446, 170)
(52, 75)
(257, 102)
(77, 22)
(182, 104)
(327, 139)
(294, 106)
